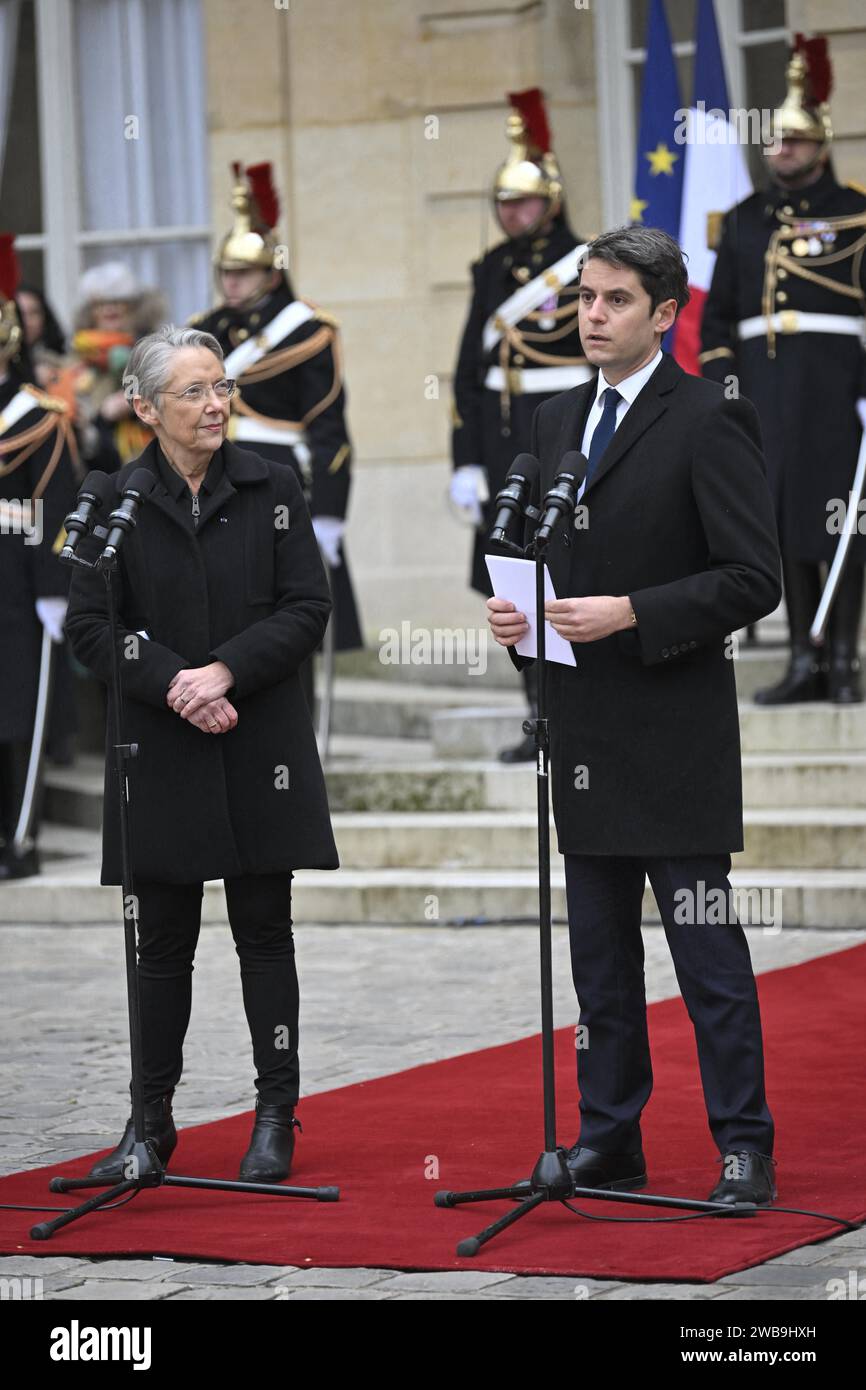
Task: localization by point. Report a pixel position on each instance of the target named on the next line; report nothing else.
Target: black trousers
(259, 909)
(714, 972)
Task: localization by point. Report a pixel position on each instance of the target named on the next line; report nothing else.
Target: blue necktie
(604, 430)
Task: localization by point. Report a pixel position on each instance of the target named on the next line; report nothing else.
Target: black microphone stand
(551, 1180)
(142, 1167)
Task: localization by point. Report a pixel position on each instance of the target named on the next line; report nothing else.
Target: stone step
(807, 838)
(480, 732)
(373, 775)
(782, 779)
(780, 899)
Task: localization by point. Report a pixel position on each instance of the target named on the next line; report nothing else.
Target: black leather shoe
(614, 1172)
(746, 1177)
(272, 1144)
(158, 1128)
(523, 752)
(14, 865)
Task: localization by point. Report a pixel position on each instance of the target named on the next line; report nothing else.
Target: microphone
(123, 518)
(96, 491)
(559, 502)
(510, 500)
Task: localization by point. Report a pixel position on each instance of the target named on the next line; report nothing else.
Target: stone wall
(382, 221)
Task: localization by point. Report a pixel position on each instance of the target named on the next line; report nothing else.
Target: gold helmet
(11, 335)
(251, 241)
(804, 114)
(531, 170)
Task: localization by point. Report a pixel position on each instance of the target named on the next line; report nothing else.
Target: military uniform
(503, 375)
(37, 490)
(785, 317)
(521, 345)
(784, 258)
(290, 406)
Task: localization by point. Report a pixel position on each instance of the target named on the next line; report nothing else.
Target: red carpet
(479, 1117)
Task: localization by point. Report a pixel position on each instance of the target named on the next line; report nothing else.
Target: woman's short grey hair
(149, 366)
(652, 254)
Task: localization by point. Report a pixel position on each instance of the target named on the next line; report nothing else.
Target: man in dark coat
(676, 548)
(37, 489)
(222, 597)
(785, 316)
(286, 355)
(521, 342)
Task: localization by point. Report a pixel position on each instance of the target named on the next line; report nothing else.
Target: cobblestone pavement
(407, 995)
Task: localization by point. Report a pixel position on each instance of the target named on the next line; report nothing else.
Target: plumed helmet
(804, 114)
(251, 241)
(531, 170)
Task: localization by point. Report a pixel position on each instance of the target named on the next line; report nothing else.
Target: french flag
(714, 179)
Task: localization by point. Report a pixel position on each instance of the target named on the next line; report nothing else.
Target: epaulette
(857, 187)
(195, 319)
(330, 319)
(47, 402)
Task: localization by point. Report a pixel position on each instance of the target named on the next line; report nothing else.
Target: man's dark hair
(652, 254)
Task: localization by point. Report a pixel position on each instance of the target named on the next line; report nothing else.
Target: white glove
(51, 613)
(329, 532)
(468, 490)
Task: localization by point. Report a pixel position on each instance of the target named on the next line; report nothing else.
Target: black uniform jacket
(29, 568)
(786, 252)
(491, 428)
(300, 381)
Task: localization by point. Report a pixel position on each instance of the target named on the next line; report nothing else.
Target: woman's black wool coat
(248, 588)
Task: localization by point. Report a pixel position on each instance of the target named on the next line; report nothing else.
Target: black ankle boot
(158, 1128)
(272, 1144)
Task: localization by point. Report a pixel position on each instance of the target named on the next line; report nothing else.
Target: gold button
(781, 297)
(804, 204)
(782, 273)
(519, 359)
(784, 251)
(787, 210)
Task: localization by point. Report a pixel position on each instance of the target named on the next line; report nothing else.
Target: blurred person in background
(43, 335)
(114, 312)
(286, 356)
(37, 490)
(521, 343)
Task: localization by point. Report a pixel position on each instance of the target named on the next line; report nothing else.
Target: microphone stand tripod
(551, 1180)
(142, 1167)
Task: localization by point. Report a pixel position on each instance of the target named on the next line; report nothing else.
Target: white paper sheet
(514, 579)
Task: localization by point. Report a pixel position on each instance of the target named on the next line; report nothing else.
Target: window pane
(681, 21)
(21, 188)
(179, 271)
(142, 110)
(762, 14)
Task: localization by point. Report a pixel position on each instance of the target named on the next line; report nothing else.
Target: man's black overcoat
(680, 519)
(247, 588)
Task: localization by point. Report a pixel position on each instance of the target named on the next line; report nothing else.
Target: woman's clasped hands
(198, 695)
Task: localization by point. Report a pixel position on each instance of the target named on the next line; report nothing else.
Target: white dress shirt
(629, 388)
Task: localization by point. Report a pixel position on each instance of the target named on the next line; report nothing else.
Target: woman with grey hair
(222, 596)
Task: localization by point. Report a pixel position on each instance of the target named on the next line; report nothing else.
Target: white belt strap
(795, 321)
(17, 408)
(254, 349)
(529, 296)
(243, 430)
(535, 380)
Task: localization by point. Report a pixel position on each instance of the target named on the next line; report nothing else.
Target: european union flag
(658, 184)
